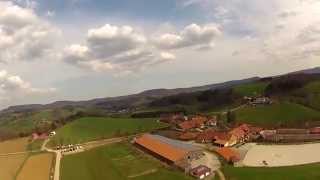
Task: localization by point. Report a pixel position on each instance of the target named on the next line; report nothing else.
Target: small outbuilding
(200, 172)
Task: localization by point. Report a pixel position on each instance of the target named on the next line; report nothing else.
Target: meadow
(118, 161)
(251, 89)
(277, 114)
(93, 128)
(309, 172)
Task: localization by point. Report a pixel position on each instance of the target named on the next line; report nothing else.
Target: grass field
(37, 167)
(118, 161)
(9, 165)
(91, 128)
(251, 89)
(277, 114)
(305, 172)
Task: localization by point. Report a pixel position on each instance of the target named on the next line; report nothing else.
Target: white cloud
(14, 88)
(24, 35)
(115, 49)
(191, 36)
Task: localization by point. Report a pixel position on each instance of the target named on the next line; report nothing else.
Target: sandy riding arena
(282, 155)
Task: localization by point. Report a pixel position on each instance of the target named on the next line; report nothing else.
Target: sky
(82, 49)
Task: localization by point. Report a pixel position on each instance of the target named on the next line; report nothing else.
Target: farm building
(211, 135)
(291, 135)
(197, 121)
(200, 172)
(230, 155)
(315, 130)
(171, 151)
(36, 136)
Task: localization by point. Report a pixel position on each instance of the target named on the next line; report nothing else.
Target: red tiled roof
(211, 134)
(315, 130)
(229, 154)
(165, 150)
(193, 122)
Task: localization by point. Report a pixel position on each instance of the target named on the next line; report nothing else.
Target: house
(36, 136)
(239, 134)
(200, 172)
(260, 101)
(212, 121)
(230, 155)
(192, 123)
(171, 151)
(210, 135)
(315, 130)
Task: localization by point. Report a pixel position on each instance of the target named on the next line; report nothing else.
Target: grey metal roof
(175, 143)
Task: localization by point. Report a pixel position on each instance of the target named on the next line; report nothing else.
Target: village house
(200, 172)
(173, 152)
(197, 122)
(229, 154)
(41, 136)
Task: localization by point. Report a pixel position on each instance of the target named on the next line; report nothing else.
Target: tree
(231, 117)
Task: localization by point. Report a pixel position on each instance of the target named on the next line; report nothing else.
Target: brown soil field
(37, 167)
(11, 146)
(10, 165)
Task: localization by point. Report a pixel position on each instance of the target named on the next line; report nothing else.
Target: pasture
(277, 114)
(37, 167)
(118, 161)
(93, 128)
(251, 89)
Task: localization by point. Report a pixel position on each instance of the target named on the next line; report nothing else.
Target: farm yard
(117, 161)
(309, 172)
(282, 155)
(93, 128)
(37, 167)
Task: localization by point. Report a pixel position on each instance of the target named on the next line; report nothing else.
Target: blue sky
(82, 49)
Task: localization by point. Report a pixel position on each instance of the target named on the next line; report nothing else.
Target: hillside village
(200, 145)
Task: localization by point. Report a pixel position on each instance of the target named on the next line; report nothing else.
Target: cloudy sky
(82, 49)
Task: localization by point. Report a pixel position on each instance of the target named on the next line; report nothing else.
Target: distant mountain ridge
(120, 102)
(128, 100)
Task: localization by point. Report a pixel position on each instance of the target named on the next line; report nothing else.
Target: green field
(251, 89)
(305, 172)
(92, 128)
(118, 161)
(277, 114)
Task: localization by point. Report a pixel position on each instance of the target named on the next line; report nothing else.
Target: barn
(171, 151)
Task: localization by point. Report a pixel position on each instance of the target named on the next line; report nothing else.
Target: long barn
(171, 151)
